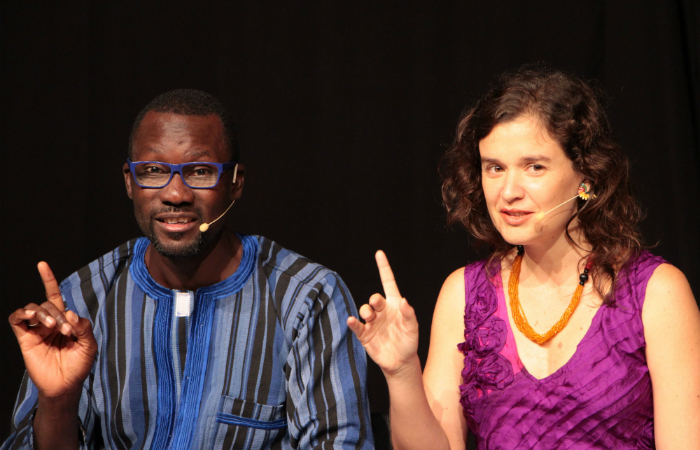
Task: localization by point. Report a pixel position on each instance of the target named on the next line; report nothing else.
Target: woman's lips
(513, 217)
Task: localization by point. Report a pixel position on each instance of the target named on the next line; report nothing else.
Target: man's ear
(237, 185)
(127, 180)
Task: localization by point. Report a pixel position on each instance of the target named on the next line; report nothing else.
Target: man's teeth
(178, 220)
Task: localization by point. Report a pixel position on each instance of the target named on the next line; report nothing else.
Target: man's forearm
(56, 423)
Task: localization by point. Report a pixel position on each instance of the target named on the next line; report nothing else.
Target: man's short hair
(189, 102)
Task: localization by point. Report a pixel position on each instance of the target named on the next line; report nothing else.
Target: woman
(563, 337)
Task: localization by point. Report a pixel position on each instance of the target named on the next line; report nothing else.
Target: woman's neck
(555, 262)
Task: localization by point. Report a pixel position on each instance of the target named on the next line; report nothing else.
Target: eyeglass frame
(177, 168)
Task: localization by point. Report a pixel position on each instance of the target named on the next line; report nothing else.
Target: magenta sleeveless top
(600, 399)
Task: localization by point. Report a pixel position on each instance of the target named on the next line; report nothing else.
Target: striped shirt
(261, 360)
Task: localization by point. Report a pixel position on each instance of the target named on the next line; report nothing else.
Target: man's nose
(176, 192)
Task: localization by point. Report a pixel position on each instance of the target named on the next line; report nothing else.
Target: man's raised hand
(58, 347)
(390, 331)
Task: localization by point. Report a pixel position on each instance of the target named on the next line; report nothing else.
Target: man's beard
(194, 248)
(190, 250)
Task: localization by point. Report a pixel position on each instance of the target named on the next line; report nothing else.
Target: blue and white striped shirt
(260, 360)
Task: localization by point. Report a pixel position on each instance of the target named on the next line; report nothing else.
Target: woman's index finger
(391, 289)
(53, 292)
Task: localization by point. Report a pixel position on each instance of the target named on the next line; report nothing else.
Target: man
(194, 337)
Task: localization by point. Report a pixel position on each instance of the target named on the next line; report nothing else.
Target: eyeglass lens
(157, 175)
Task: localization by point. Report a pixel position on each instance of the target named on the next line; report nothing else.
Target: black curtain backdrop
(343, 111)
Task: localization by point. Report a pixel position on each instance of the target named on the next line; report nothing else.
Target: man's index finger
(391, 289)
(53, 292)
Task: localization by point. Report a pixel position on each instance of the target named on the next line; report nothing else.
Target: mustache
(177, 209)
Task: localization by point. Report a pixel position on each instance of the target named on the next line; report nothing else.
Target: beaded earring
(584, 192)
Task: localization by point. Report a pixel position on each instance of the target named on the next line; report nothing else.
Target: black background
(343, 111)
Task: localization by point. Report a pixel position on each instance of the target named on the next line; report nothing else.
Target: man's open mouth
(171, 220)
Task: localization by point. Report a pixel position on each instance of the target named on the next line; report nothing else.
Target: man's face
(170, 216)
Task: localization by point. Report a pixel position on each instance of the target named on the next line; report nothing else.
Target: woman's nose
(512, 187)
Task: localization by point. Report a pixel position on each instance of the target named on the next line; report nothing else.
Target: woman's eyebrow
(489, 161)
(536, 158)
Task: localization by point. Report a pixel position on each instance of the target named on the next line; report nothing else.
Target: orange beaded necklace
(517, 310)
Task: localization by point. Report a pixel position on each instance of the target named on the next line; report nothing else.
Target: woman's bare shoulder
(669, 313)
(452, 294)
(667, 292)
(454, 283)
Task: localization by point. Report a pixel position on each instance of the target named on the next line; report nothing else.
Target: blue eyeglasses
(195, 175)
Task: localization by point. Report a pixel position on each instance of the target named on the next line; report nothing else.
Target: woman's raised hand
(390, 331)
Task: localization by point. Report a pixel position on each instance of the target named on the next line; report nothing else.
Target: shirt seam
(112, 263)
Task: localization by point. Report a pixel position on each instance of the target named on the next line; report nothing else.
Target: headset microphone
(540, 215)
(584, 192)
(205, 226)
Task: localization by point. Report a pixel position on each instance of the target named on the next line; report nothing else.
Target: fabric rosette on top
(476, 312)
(485, 369)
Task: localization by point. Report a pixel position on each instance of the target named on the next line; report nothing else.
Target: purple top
(601, 398)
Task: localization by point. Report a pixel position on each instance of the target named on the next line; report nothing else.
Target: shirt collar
(225, 288)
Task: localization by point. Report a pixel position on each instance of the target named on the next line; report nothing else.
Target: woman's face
(525, 172)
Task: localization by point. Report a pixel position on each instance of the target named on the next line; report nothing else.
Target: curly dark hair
(190, 102)
(573, 115)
